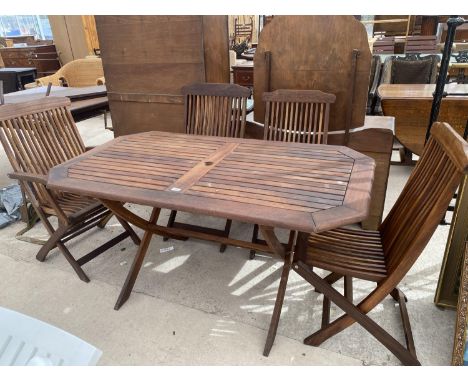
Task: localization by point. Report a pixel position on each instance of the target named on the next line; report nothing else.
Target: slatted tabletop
(297, 186)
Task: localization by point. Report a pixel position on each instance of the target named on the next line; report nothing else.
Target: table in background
(14, 79)
(298, 187)
(411, 107)
(86, 102)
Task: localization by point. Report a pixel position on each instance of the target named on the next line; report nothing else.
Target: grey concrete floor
(192, 305)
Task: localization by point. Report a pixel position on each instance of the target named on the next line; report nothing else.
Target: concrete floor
(192, 305)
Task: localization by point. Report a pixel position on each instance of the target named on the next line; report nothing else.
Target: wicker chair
(78, 73)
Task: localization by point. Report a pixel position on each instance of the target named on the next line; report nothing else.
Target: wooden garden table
(299, 187)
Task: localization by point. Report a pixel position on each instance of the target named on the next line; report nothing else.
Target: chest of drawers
(42, 57)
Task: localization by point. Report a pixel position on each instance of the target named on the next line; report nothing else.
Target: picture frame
(450, 274)
(460, 348)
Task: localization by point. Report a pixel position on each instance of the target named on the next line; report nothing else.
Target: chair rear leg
(254, 240)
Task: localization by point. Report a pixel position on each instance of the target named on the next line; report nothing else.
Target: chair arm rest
(28, 177)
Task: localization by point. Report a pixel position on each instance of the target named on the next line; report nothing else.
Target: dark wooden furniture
(383, 256)
(374, 81)
(37, 136)
(411, 107)
(384, 45)
(144, 82)
(296, 186)
(421, 44)
(295, 116)
(86, 102)
(42, 57)
(14, 79)
(243, 74)
(214, 110)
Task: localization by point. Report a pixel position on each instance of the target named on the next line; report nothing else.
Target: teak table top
(297, 186)
(404, 91)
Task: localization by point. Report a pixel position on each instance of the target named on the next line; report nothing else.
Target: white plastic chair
(25, 341)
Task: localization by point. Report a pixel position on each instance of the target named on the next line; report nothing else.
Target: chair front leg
(51, 243)
(353, 314)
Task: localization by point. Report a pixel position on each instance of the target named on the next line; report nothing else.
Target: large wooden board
(315, 52)
(147, 59)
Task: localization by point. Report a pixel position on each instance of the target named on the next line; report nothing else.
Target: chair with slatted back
(295, 116)
(214, 110)
(384, 256)
(37, 136)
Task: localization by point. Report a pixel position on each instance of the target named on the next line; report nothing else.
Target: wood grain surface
(296, 186)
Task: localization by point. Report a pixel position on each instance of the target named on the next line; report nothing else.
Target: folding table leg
(137, 262)
(275, 245)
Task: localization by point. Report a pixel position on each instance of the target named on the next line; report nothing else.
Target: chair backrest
(297, 115)
(410, 69)
(243, 31)
(425, 198)
(38, 135)
(215, 109)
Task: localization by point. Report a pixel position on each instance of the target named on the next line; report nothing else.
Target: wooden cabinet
(42, 57)
(243, 75)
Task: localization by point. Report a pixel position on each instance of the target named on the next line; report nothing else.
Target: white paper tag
(175, 189)
(164, 250)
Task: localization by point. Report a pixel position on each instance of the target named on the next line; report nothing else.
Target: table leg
(137, 262)
(286, 253)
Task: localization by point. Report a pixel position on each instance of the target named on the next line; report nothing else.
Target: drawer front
(17, 62)
(243, 77)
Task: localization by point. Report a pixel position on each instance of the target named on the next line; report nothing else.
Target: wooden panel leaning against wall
(74, 36)
(147, 60)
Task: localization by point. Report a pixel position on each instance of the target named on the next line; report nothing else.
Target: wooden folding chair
(37, 136)
(214, 110)
(384, 256)
(295, 116)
